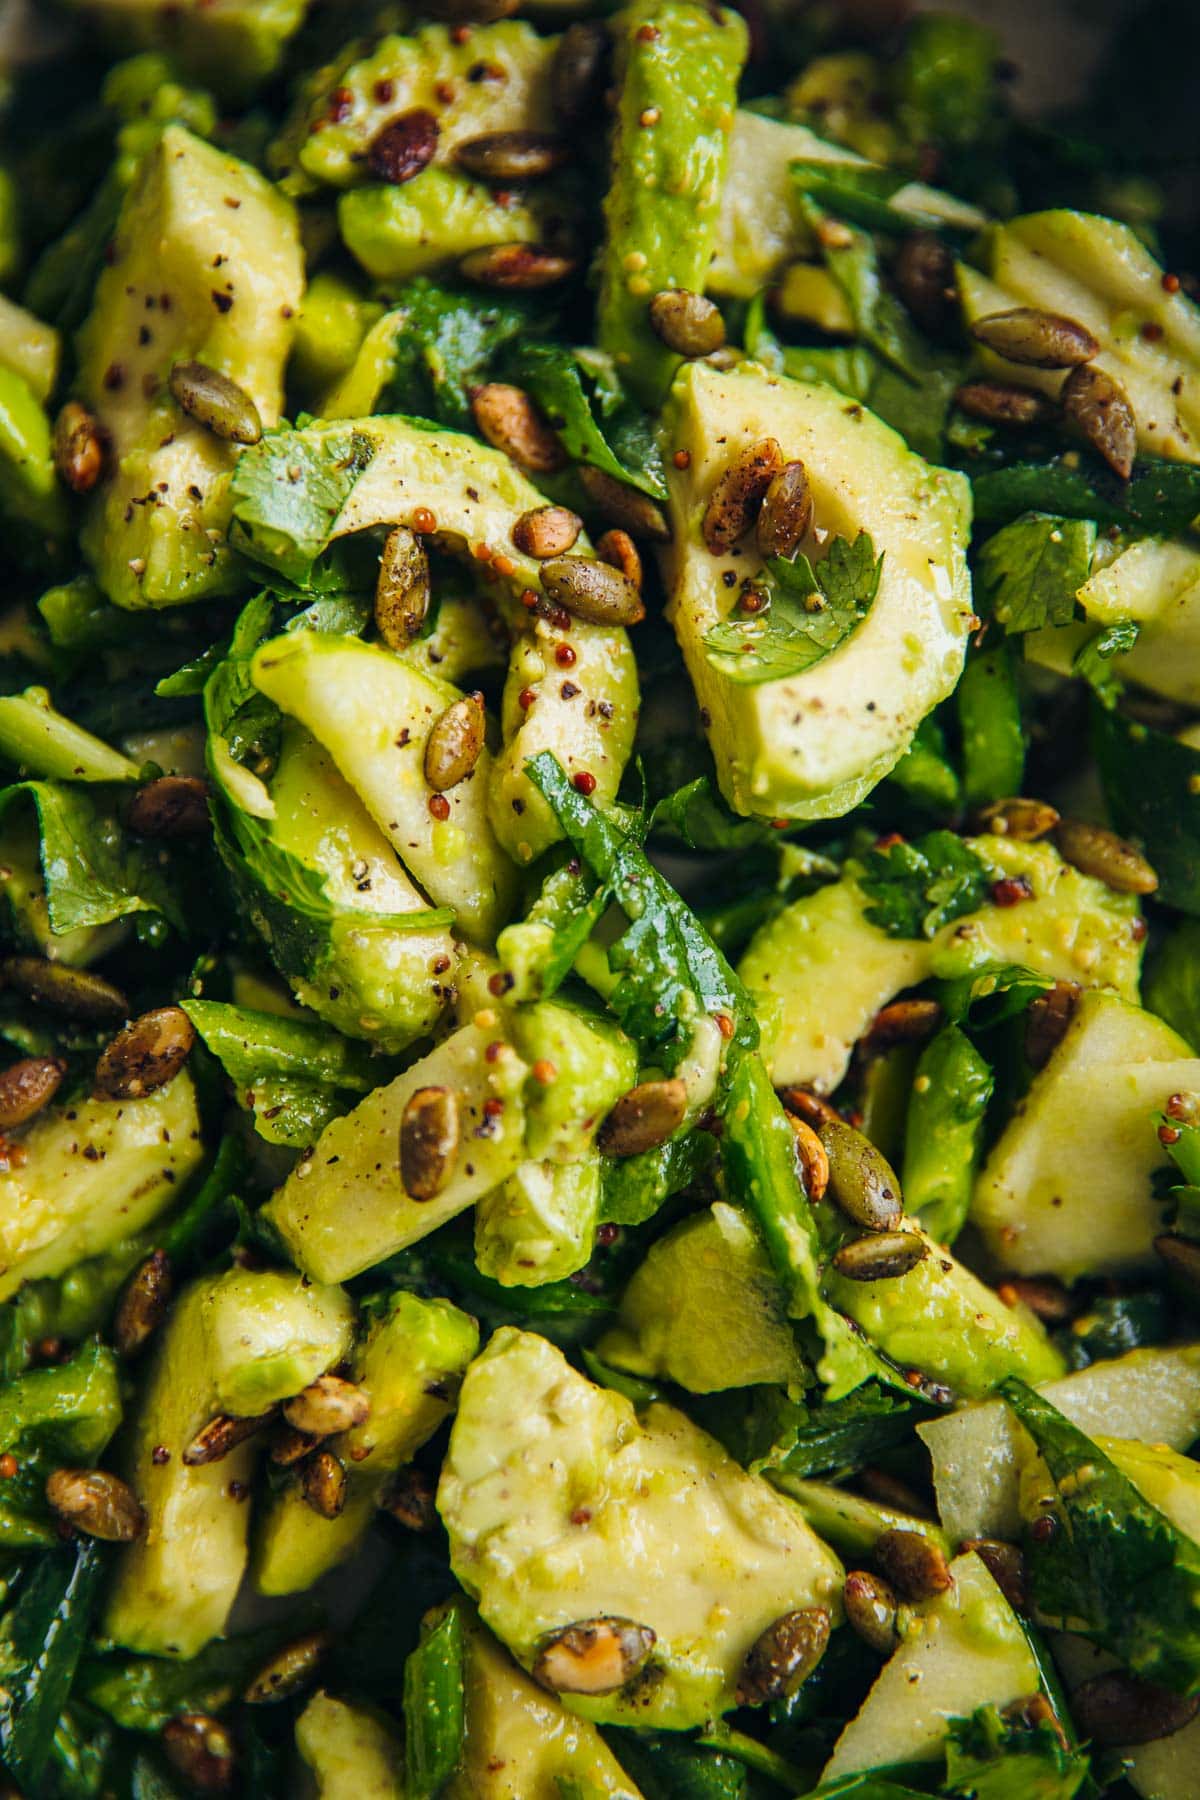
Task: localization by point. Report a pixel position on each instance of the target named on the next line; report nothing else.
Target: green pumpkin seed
(323, 1484)
(410, 1499)
(814, 1161)
(925, 277)
(79, 448)
(97, 1503)
(1018, 818)
(1000, 403)
(914, 1565)
(871, 1607)
(510, 420)
(1094, 851)
(592, 590)
(735, 500)
(289, 1670)
(199, 1748)
(223, 1433)
(215, 402)
(786, 512)
(402, 590)
(784, 1656)
(27, 1086)
(546, 531)
(882, 1256)
(326, 1405)
(1100, 410)
(429, 1134)
(687, 323)
(578, 70)
(517, 268)
(173, 806)
(1047, 1020)
(1041, 340)
(146, 1055)
(76, 992)
(1006, 1565)
(454, 745)
(861, 1181)
(143, 1305)
(593, 1656)
(505, 156)
(618, 548)
(624, 506)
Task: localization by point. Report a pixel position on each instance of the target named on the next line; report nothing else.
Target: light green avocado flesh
(230, 44)
(1098, 272)
(562, 1504)
(29, 491)
(820, 970)
(1051, 1199)
(409, 1365)
(352, 1752)
(430, 223)
(235, 1343)
(593, 1064)
(29, 348)
(811, 746)
(93, 1172)
(540, 1224)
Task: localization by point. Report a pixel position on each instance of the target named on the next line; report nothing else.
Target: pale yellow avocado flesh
(351, 1752)
(562, 1504)
(1156, 582)
(812, 745)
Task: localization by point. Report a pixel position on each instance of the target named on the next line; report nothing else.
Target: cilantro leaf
(1160, 496)
(860, 192)
(810, 613)
(767, 1429)
(288, 490)
(1092, 659)
(917, 887)
(1030, 572)
(446, 342)
(93, 873)
(989, 1757)
(1151, 783)
(595, 419)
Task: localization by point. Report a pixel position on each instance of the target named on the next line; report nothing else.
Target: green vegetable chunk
(943, 1135)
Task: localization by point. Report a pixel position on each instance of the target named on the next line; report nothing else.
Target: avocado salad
(599, 904)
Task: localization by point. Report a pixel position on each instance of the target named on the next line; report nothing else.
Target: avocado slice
(812, 745)
(820, 970)
(1099, 273)
(539, 1225)
(563, 1505)
(430, 223)
(235, 1343)
(409, 1364)
(205, 264)
(93, 1172)
(29, 347)
(1067, 1189)
(30, 497)
(963, 1650)
(352, 1751)
(230, 44)
(345, 1208)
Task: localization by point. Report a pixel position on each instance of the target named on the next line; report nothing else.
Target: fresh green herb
(50, 1417)
(859, 192)
(988, 703)
(1031, 570)
(987, 997)
(539, 950)
(668, 1767)
(989, 1757)
(598, 423)
(434, 1706)
(944, 82)
(288, 491)
(93, 872)
(1160, 496)
(143, 1693)
(446, 341)
(915, 888)
(1171, 985)
(292, 1075)
(1151, 782)
(766, 1428)
(696, 814)
(41, 1641)
(925, 775)
(635, 1187)
(810, 612)
(1092, 660)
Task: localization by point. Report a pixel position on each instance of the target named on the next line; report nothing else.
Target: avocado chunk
(230, 44)
(1152, 1395)
(1068, 1187)
(520, 1743)
(540, 1224)
(1099, 273)
(706, 1310)
(677, 69)
(427, 226)
(963, 1650)
(29, 347)
(812, 745)
(345, 1208)
(93, 1171)
(562, 1505)
(30, 497)
(409, 1364)
(820, 970)
(593, 1064)
(353, 1752)
(235, 1343)
(205, 265)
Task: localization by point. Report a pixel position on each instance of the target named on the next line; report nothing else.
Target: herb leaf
(1092, 660)
(446, 341)
(1030, 572)
(41, 1641)
(989, 1757)
(288, 490)
(811, 612)
(915, 888)
(1160, 496)
(596, 420)
(93, 874)
(1152, 785)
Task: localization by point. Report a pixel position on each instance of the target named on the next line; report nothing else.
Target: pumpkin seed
(289, 1670)
(512, 155)
(861, 1180)
(215, 402)
(429, 1133)
(1094, 851)
(593, 590)
(27, 1086)
(784, 1656)
(901, 1022)
(1040, 340)
(1000, 403)
(97, 1503)
(546, 531)
(644, 1117)
(143, 1305)
(889, 1490)
(1100, 410)
(1119, 1708)
(79, 447)
(786, 512)
(1181, 1256)
(323, 1484)
(290, 1446)
(402, 590)
(326, 1405)
(735, 500)
(577, 73)
(882, 1256)
(623, 505)
(223, 1433)
(404, 147)
(1025, 820)
(146, 1055)
(617, 548)
(173, 806)
(199, 1748)
(1006, 1564)
(517, 268)
(1046, 1298)
(1046, 1021)
(409, 1499)
(925, 279)
(76, 992)
(814, 1162)
(510, 421)
(687, 323)
(593, 1656)
(455, 744)
(871, 1607)
(1029, 1711)
(810, 1107)
(915, 1566)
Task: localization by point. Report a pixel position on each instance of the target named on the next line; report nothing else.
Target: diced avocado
(345, 1208)
(852, 1524)
(231, 44)
(706, 1310)
(1167, 1478)
(808, 295)
(520, 1743)
(940, 1318)
(353, 1752)
(23, 888)
(1099, 273)
(430, 223)
(206, 265)
(1068, 1188)
(563, 1505)
(463, 642)
(677, 69)
(963, 1650)
(234, 1343)
(540, 1224)
(846, 93)
(30, 496)
(812, 745)
(593, 1064)
(1153, 1395)
(93, 1171)
(409, 1365)
(820, 970)
(29, 347)
(373, 714)
(330, 329)
(377, 981)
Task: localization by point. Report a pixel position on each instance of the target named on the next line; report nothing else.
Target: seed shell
(546, 531)
(402, 590)
(861, 1181)
(143, 1305)
(327, 1405)
(593, 1656)
(223, 1433)
(1040, 340)
(1100, 410)
(454, 745)
(517, 268)
(735, 500)
(216, 402)
(172, 806)
(871, 1605)
(429, 1134)
(76, 992)
(577, 72)
(199, 1748)
(97, 1503)
(323, 1484)
(404, 147)
(510, 420)
(146, 1055)
(289, 1670)
(623, 505)
(925, 278)
(1000, 403)
(593, 590)
(1095, 851)
(644, 1117)
(914, 1564)
(28, 1086)
(79, 447)
(881, 1256)
(687, 323)
(1119, 1708)
(505, 156)
(786, 512)
(784, 1656)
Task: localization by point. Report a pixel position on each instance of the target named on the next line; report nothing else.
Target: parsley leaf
(917, 887)
(1160, 496)
(1151, 783)
(989, 1757)
(92, 873)
(446, 341)
(1092, 659)
(810, 612)
(1030, 572)
(595, 419)
(288, 490)
(291, 1075)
